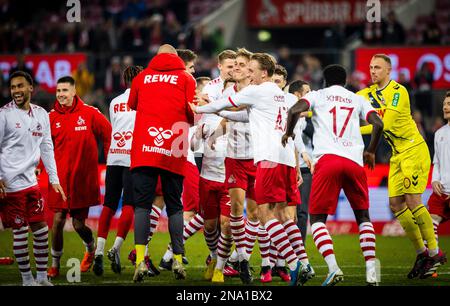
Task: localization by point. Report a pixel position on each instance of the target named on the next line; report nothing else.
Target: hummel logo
(160, 135)
(18, 126)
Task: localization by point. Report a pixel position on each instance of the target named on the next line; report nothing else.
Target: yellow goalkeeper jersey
(392, 105)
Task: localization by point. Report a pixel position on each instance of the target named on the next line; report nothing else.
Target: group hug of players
(253, 138)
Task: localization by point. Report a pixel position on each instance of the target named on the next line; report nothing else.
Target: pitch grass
(395, 254)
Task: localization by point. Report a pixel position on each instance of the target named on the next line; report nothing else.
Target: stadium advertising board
(47, 68)
(408, 61)
(341, 223)
(285, 13)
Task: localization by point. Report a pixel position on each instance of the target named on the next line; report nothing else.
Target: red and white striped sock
(367, 240)
(295, 237)
(20, 247)
(324, 244)
(280, 239)
(273, 254)
(193, 226)
(154, 219)
(237, 225)
(212, 240)
(223, 250)
(40, 249)
(435, 226)
(251, 233)
(264, 246)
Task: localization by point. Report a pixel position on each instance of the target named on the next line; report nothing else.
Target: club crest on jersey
(38, 127)
(82, 124)
(160, 135)
(122, 138)
(18, 220)
(232, 179)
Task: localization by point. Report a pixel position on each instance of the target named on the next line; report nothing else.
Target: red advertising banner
(284, 13)
(408, 61)
(47, 68)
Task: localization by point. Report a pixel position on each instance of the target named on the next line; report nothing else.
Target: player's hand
(437, 188)
(369, 159)
(58, 189)
(193, 107)
(201, 99)
(308, 161)
(285, 138)
(299, 178)
(2, 189)
(304, 114)
(212, 142)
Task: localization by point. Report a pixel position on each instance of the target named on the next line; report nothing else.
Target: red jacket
(75, 131)
(160, 95)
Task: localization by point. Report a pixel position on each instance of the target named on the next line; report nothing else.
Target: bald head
(166, 48)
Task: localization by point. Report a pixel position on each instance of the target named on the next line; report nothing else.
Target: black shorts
(144, 186)
(118, 178)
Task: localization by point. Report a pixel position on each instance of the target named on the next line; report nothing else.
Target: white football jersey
(268, 107)
(25, 138)
(190, 156)
(122, 120)
(239, 136)
(213, 163)
(336, 120)
(441, 160)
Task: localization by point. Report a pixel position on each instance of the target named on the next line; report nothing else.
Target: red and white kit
(214, 198)
(190, 197)
(440, 205)
(338, 149)
(239, 164)
(24, 138)
(267, 111)
(122, 120)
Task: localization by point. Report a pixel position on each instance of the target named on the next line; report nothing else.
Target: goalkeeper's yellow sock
(178, 257)
(425, 224)
(406, 219)
(140, 253)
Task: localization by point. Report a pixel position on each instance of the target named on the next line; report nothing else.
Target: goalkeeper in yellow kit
(409, 164)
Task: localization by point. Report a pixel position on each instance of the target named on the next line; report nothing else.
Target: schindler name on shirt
(151, 149)
(161, 78)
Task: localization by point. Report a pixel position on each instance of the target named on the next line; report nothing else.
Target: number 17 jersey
(336, 119)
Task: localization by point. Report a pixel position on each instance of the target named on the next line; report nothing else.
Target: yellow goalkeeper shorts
(408, 171)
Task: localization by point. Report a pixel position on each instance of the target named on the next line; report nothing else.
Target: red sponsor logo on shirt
(122, 138)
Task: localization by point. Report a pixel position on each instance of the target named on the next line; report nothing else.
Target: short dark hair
(265, 61)
(297, 86)
(131, 72)
(186, 55)
(23, 74)
(280, 70)
(66, 79)
(334, 75)
(447, 94)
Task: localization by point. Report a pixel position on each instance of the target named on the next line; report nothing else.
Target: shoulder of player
(396, 87)
(7, 107)
(89, 109)
(214, 82)
(38, 109)
(442, 130)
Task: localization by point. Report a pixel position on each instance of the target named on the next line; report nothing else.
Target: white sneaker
(43, 282)
(333, 278)
(371, 273)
